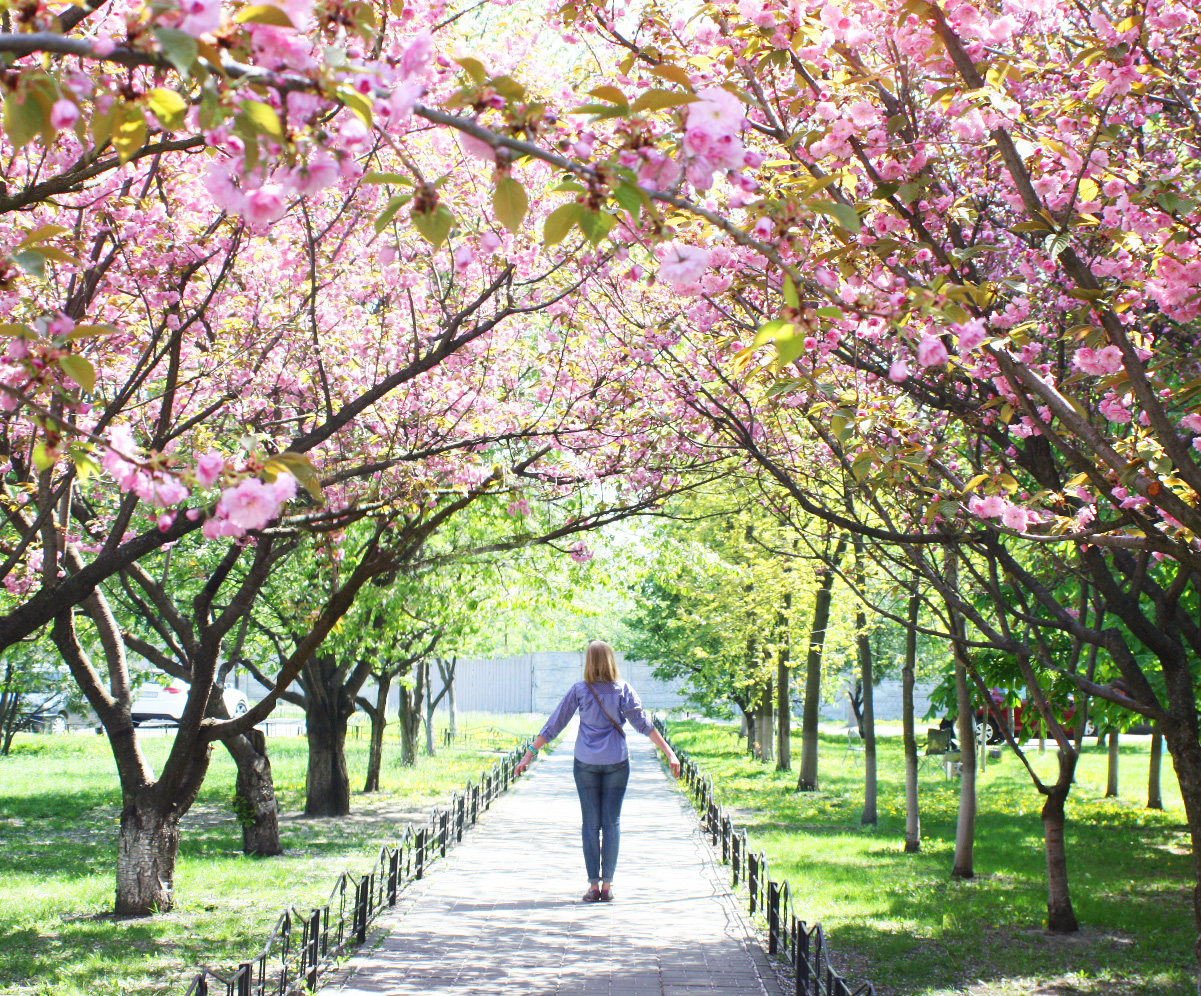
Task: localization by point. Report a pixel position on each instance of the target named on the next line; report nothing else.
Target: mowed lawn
(59, 803)
(899, 920)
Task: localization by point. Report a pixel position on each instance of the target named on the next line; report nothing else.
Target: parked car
(165, 703)
(1026, 721)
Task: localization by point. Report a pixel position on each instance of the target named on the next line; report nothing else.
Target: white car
(165, 703)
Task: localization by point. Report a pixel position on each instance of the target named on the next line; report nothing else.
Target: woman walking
(602, 759)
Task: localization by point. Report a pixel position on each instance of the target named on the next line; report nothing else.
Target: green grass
(58, 815)
(899, 920)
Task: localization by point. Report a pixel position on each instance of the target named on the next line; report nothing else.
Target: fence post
(735, 857)
(802, 959)
(393, 875)
(419, 854)
(773, 917)
(752, 879)
(461, 809)
(243, 979)
(443, 828)
(362, 909)
(312, 943)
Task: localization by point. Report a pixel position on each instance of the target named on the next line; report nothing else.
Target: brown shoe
(606, 895)
(593, 895)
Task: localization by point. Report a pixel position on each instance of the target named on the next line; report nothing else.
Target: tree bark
(409, 718)
(965, 829)
(430, 705)
(379, 723)
(254, 795)
(807, 779)
(1060, 916)
(1154, 795)
(767, 730)
(452, 704)
(148, 843)
(913, 818)
(784, 688)
(867, 677)
(327, 789)
(1111, 777)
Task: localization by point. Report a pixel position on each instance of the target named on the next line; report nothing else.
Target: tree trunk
(411, 698)
(1181, 741)
(767, 726)
(430, 705)
(750, 719)
(1154, 796)
(913, 819)
(807, 779)
(452, 704)
(784, 689)
(965, 830)
(870, 761)
(1111, 777)
(254, 795)
(379, 723)
(327, 789)
(148, 843)
(1060, 917)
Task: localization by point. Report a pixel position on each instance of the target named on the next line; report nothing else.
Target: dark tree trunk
(807, 779)
(913, 819)
(148, 843)
(867, 677)
(1154, 795)
(254, 795)
(965, 830)
(379, 723)
(784, 688)
(409, 718)
(1111, 777)
(430, 705)
(1060, 917)
(327, 788)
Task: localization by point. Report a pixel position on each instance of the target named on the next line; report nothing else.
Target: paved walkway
(502, 915)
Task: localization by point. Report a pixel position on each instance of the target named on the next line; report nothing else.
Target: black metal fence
(303, 946)
(788, 938)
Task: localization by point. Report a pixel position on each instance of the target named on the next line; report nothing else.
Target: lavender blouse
(598, 741)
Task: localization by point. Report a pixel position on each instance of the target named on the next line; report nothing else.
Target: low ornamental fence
(303, 946)
(790, 939)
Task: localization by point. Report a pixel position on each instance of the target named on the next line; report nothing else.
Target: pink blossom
(658, 172)
(863, 114)
(318, 173)
(519, 507)
(931, 352)
(489, 242)
(898, 372)
(116, 459)
(217, 180)
(1192, 422)
(265, 205)
(717, 109)
(463, 257)
(252, 503)
(166, 521)
(682, 267)
(417, 56)
(476, 148)
(971, 334)
(200, 17)
(1016, 518)
(63, 114)
(209, 468)
(580, 553)
(352, 132)
(990, 506)
(1100, 363)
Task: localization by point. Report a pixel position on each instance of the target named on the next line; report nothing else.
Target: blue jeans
(602, 788)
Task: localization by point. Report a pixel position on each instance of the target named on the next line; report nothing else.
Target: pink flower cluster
(1012, 516)
(681, 267)
(712, 136)
(251, 504)
(1100, 363)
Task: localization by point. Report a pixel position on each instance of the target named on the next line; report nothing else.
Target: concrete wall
(887, 702)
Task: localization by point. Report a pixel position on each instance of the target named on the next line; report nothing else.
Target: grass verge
(899, 920)
(59, 799)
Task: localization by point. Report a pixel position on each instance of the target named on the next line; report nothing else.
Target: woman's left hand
(674, 763)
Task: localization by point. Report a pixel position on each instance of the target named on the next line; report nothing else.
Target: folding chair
(938, 747)
(855, 744)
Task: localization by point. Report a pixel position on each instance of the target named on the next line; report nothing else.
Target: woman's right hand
(523, 763)
(673, 762)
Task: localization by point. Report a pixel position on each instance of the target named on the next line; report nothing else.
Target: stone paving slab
(502, 914)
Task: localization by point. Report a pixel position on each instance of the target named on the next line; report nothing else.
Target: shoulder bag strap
(616, 725)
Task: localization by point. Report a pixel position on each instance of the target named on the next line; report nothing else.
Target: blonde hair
(599, 663)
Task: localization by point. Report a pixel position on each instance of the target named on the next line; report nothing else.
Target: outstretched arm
(524, 763)
(669, 755)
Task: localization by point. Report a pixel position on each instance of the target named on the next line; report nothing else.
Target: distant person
(602, 759)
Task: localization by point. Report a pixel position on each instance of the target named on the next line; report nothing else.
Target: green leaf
(832, 312)
(657, 100)
(771, 330)
(87, 331)
(178, 47)
(629, 197)
(85, 464)
(676, 74)
(264, 13)
(560, 222)
(844, 214)
(23, 118)
(359, 105)
(168, 106)
(389, 212)
(510, 202)
(262, 117)
(373, 177)
(79, 370)
(790, 295)
(1055, 244)
(611, 94)
(129, 130)
(475, 68)
(32, 262)
(300, 467)
(789, 348)
(595, 224)
(434, 225)
(12, 329)
(42, 459)
(41, 234)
